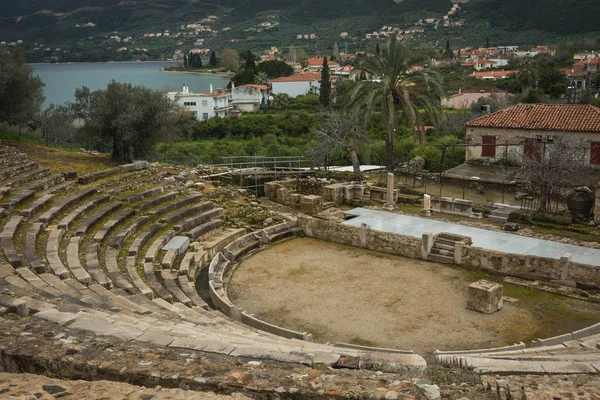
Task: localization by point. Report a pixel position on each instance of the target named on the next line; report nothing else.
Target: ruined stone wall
(366, 238)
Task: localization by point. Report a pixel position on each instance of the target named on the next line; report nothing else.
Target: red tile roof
(308, 77)
(545, 117)
(319, 61)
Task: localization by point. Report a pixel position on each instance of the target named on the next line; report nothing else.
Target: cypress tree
(185, 61)
(324, 93)
(377, 49)
(213, 59)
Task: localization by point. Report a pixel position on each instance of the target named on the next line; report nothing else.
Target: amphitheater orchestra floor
(499, 241)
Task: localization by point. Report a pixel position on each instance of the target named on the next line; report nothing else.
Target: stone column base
(389, 207)
(425, 213)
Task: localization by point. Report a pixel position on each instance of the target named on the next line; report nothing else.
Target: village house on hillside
(316, 64)
(528, 127)
(465, 98)
(296, 85)
(203, 105)
(248, 98)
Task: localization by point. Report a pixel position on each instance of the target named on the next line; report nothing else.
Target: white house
(296, 85)
(248, 98)
(203, 105)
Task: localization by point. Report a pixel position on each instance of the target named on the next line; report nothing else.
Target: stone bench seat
(200, 219)
(218, 242)
(156, 286)
(130, 264)
(190, 291)
(167, 208)
(113, 271)
(68, 219)
(280, 231)
(169, 259)
(145, 194)
(26, 177)
(152, 203)
(120, 238)
(44, 183)
(13, 305)
(74, 263)
(217, 266)
(194, 269)
(157, 245)
(13, 159)
(94, 176)
(109, 225)
(205, 230)
(7, 240)
(36, 205)
(29, 248)
(86, 225)
(173, 288)
(241, 246)
(141, 240)
(62, 205)
(62, 187)
(186, 263)
(52, 247)
(177, 216)
(17, 199)
(93, 266)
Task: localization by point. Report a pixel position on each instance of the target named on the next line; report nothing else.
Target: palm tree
(528, 74)
(396, 89)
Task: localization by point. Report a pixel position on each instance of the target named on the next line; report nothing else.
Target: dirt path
(345, 294)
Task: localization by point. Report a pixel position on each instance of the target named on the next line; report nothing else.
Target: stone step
(445, 241)
(442, 252)
(441, 258)
(443, 246)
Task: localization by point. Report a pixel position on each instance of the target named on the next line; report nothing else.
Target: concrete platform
(505, 242)
(485, 173)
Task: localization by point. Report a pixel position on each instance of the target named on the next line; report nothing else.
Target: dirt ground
(344, 294)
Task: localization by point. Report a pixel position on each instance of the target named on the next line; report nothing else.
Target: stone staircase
(444, 247)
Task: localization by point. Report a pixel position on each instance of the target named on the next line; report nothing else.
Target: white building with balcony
(203, 105)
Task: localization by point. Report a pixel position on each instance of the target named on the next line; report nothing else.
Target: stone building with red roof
(526, 128)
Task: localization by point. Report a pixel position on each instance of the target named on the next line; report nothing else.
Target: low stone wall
(451, 206)
(363, 237)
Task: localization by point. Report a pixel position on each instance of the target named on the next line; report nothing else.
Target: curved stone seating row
(59, 188)
(571, 353)
(173, 288)
(130, 265)
(162, 210)
(52, 248)
(241, 246)
(11, 171)
(12, 159)
(68, 219)
(217, 243)
(145, 194)
(219, 266)
(111, 256)
(177, 216)
(279, 231)
(154, 284)
(169, 258)
(26, 177)
(74, 263)
(49, 215)
(7, 240)
(141, 240)
(204, 230)
(44, 182)
(93, 266)
(86, 225)
(190, 291)
(120, 238)
(155, 247)
(36, 205)
(111, 224)
(29, 248)
(152, 203)
(17, 199)
(94, 176)
(200, 219)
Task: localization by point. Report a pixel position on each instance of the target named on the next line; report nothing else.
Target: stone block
(333, 193)
(485, 297)
(311, 204)
(178, 243)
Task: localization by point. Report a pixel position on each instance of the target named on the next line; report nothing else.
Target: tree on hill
(213, 59)
(230, 60)
(195, 60)
(185, 61)
(261, 78)
(249, 60)
(127, 118)
(275, 68)
(528, 74)
(398, 90)
(325, 90)
(21, 93)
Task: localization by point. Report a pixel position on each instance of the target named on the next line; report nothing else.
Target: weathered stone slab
(178, 243)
